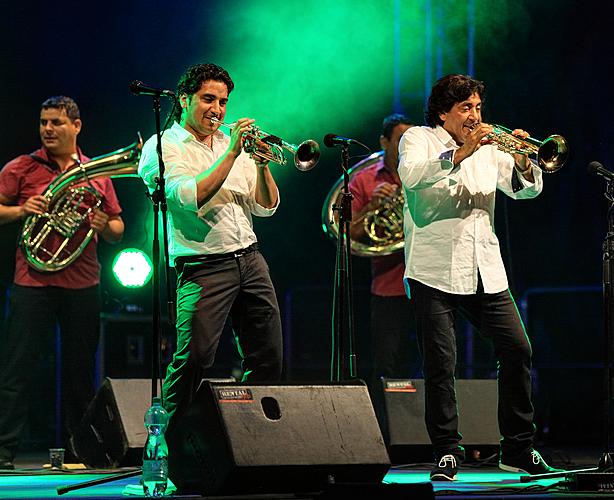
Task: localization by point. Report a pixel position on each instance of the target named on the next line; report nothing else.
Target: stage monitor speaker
(112, 432)
(477, 412)
(244, 438)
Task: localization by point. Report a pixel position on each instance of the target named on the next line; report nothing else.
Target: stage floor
(475, 480)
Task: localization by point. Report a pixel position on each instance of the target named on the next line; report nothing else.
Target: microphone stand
(606, 461)
(343, 312)
(158, 198)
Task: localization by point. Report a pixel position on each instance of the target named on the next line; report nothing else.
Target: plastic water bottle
(155, 451)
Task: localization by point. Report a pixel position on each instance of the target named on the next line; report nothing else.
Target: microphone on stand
(139, 88)
(597, 168)
(332, 140)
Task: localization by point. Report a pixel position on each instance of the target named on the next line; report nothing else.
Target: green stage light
(132, 268)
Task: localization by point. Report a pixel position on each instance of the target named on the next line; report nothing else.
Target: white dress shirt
(224, 223)
(449, 211)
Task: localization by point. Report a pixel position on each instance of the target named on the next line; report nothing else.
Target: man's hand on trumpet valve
(522, 162)
(237, 135)
(260, 161)
(477, 137)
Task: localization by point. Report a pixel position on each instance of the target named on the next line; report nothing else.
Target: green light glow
(132, 268)
(306, 69)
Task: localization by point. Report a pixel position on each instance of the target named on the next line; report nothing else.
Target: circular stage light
(132, 268)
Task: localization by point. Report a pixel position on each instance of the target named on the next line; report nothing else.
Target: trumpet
(271, 148)
(551, 153)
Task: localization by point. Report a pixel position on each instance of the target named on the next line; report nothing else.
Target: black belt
(181, 261)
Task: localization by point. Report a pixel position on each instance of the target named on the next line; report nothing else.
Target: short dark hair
(65, 103)
(392, 121)
(448, 91)
(193, 78)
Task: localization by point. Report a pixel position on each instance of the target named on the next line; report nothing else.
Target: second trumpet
(551, 153)
(271, 148)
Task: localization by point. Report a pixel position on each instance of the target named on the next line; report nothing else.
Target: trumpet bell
(553, 153)
(307, 155)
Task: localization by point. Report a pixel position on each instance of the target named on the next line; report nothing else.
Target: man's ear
(383, 142)
(183, 101)
(77, 124)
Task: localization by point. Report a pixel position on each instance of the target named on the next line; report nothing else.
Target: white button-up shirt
(224, 223)
(449, 211)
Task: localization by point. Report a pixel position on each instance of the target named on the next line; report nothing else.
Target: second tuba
(53, 240)
(383, 225)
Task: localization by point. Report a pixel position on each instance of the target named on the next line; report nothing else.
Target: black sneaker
(446, 469)
(530, 462)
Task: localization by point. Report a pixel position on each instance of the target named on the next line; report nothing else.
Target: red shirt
(26, 176)
(387, 271)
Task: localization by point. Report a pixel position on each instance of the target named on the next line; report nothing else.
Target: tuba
(52, 241)
(383, 225)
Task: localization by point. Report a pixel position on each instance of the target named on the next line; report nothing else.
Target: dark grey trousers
(208, 293)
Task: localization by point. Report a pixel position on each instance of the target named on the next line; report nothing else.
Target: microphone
(139, 88)
(332, 140)
(597, 168)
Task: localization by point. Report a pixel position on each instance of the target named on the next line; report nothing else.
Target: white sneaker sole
(442, 477)
(509, 468)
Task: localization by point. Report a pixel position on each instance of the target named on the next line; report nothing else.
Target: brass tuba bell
(383, 225)
(51, 241)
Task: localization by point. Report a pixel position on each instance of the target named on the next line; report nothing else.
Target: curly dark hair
(392, 121)
(65, 103)
(448, 91)
(193, 77)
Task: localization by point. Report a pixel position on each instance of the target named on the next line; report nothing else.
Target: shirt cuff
(447, 156)
(518, 180)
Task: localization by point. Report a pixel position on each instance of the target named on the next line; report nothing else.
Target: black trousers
(208, 293)
(496, 317)
(29, 331)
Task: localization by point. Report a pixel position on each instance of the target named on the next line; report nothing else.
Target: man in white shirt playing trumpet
(450, 172)
(213, 189)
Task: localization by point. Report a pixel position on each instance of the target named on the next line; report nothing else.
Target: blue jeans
(496, 317)
(208, 293)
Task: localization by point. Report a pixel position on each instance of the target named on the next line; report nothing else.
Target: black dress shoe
(6, 464)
